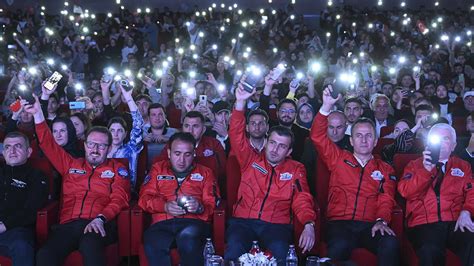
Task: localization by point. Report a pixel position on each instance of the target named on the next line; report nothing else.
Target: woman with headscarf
(64, 134)
(305, 115)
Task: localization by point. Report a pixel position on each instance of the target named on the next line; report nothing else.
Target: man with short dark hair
(361, 189)
(143, 102)
(181, 196)
(257, 128)
(352, 110)
(95, 189)
(207, 148)
(272, 187)
(24, 190)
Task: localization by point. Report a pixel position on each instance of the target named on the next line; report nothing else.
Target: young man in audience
(352, 110)
(181, 196)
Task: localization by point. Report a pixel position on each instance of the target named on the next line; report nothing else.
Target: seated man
(94, 190)
(24, 191)
(272, 186)
(181, 196)
(361, 191)
(440, 202)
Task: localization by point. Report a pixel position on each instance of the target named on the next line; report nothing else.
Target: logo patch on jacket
(259, 168)
(165, 177)
(107, 174)
(457, 172)
(350, 163)
(393, 177)
(122, 172)
(407, 176)
(18, 183)
(208, 152)
(77, 171)
(197, 177)
(286, 176)
(377, 175)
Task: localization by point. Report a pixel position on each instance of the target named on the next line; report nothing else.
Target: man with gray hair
(440, 200)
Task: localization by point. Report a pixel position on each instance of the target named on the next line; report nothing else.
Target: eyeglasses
(287, 111)
(92, 145)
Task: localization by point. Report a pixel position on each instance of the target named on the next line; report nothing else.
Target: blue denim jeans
(188, 234)
(274, 237)
(18, 244)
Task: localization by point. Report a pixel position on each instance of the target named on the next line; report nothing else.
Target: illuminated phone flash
(180, 51)
(392, 34)
(299, 75)
(109, 15)
(444, 37)
(391, 71)
(190, 91)
(436, 3)
(469, 33)
(127, 72)
(440, 19)
(373, 68)
(316, 67)
(402, 60)
(292, 17)
(434, 139)
(371, 25)
(457, 39)
(221, 88)
(22, 87)
(201, 34)
(78, 86)
(379, 3)
(355, 61)
(275, 50)
(403, 4)
(50, 61)
(329, 3)
(33, 71)
(328, 34)
(416, 69)
(159, 73)
(64, 67)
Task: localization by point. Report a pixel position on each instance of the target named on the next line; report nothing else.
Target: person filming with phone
(438, 189)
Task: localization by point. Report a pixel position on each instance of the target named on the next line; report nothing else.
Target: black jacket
(23, 191)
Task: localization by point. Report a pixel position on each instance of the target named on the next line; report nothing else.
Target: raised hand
(328, 100)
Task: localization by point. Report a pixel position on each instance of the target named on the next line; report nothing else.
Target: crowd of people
(191, 91)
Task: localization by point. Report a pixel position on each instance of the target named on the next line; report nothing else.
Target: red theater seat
(380, 144)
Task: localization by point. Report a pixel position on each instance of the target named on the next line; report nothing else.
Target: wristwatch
(380, 220)
(102, 218)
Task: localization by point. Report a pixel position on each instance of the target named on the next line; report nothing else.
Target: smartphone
(15, 106)
(295, 83)
(278, 71)
(338, 86)
(125, 84)
(434, 147)
(409, 93)
(53, 80)
(432, 119)
(203, 98)
(11, 46)
(70, 94)
(26, 95)
(77, 105)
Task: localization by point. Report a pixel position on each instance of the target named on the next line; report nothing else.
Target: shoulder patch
(259, 168)
(457, 172)
(393, 177)
(197, 177)
(351, 164)
(107, 174)
(208, 152)
(407, 176)
(77, 171)
(165, 177)
(123, 172)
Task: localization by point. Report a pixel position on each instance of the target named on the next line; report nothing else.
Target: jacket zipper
(87, 192)
(266, 195)
(357, 194)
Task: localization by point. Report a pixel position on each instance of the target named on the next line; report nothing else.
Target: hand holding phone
(53, 80)
(77, 105)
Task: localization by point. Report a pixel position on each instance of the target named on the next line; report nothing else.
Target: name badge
(77, 171)
(165, 177)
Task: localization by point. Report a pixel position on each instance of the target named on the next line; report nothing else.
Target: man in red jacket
(209, 151)
(440, 202)
(272, 187)
(181, 196)
(94, 191)
(361, 191)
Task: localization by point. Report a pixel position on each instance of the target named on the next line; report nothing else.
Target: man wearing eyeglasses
(94, 190)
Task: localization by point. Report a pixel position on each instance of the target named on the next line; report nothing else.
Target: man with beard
(95, 189)
(352, 110)
(143, 102)
(257, 128)
(207, 148)
(468, 99)
(158, 133)
(258, 216)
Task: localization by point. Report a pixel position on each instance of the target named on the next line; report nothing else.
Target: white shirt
(379, 125)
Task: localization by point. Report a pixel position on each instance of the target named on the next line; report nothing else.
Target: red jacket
(209, 152)
(161, 186)
(423, 205)
(86, 191)
(355, 192)
(265, 192)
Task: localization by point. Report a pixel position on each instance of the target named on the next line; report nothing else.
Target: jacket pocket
(370, 207)
(337, 202)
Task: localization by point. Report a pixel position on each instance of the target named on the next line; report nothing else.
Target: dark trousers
(344, 236)
(431, 240)
(274, 237)
(18, 244)
(68, 237)
(188, 234)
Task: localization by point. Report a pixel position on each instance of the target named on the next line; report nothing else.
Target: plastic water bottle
(255, 248)
(291, 258)
(208, 251)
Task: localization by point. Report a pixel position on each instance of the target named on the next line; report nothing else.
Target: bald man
(337, 124)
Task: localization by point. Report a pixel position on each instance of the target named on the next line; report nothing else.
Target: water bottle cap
(292, 246)
(208, 239)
